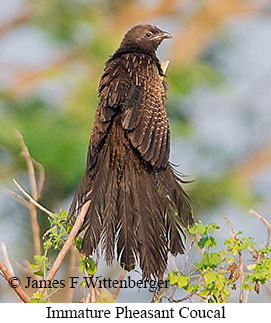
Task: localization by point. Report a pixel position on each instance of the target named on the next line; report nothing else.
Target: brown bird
(138, 207)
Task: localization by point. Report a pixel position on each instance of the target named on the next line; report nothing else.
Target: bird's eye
(148, 34)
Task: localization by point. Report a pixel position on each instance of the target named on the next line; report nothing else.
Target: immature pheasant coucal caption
(138, 207)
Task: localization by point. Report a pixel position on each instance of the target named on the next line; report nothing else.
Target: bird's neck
(151, 54)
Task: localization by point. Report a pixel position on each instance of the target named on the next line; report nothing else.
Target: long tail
(136, 214)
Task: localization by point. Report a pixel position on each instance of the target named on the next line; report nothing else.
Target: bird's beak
(165, 35)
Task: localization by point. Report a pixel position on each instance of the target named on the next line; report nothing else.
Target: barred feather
(137, 202)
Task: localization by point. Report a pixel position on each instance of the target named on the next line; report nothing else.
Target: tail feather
(151, 238)
(110, 212)
(141, 211)
(126, 245)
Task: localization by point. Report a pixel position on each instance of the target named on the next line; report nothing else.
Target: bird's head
(145, 37)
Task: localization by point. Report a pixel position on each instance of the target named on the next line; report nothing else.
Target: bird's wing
(113, 87)
(144, 115)
(131, 84)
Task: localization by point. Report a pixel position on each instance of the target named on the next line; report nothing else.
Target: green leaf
(212, 227)
(204, 292)
(89, 265)
(230, 260)
(209, 260)
(193, 288)
(226, 292)
(63, 215)
(82, 267)
(39, 273)
(207, 241)
(173, 277)
(202, 242)
(210, 277)
(47, 244)
(183, 281)
(214, 259)
(38, 297)
(34, 266)
(193, 229)
(201, 228)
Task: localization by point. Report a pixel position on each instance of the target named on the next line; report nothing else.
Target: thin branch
(182, 299)
(117, 290)
(265, 222)
(60, 257)
(172, 262)
(16, 196)
(87, 298)
(241, 264)
(246, 296)
(231, 227)
(99, 294)
(71, 273)
(23, 268)
(92, 293)
(188, 254)
(34, 192)
(241, 269)
(53, 293)
(29, 164)
(41, 176)
(18, 290)
(6, 257)
(31, 200)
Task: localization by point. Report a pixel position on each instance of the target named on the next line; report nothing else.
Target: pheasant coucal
(138, 207)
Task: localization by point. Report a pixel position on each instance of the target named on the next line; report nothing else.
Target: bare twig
(23, 268)
(60, 257)
(172, 262)
(241, 264)
(87, 298)
(231, 227)
(117, 290)
(188, 254)
(246, 296)
(92, 294)
(31, 200)
(29, 164)
(71, 273)
(41, 177)
(16, 196)
(18, 290)
(6, 257)
(34, 192)
(265, 222)
(241, 269)
(53, 293)
(182, 299)
(98, 294)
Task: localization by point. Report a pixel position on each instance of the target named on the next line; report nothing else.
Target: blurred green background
(52, 55)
